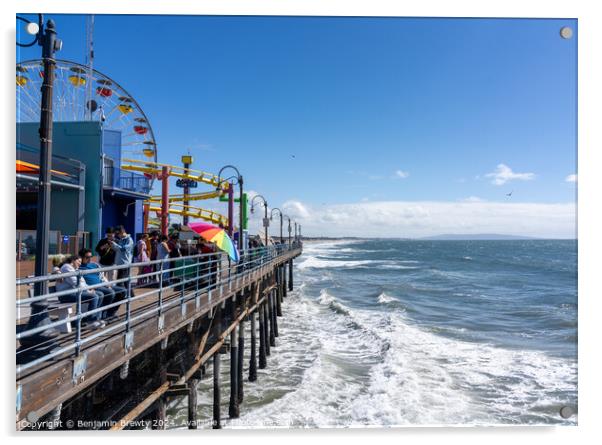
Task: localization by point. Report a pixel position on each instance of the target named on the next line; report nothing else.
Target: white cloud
(571, 178)
(473, 199)
(503, 174)
(401, 174)
(424, 218)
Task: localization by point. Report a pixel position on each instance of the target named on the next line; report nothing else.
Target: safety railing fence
(160, 285)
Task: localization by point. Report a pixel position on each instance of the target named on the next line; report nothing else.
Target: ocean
(403, 332)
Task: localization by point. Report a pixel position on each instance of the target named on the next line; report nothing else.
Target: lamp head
(32, 28)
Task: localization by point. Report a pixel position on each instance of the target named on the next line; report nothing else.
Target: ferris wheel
(82, 94)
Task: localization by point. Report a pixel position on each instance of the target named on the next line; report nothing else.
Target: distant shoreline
(483, 237)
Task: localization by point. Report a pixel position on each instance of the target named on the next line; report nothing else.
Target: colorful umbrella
(216, 235)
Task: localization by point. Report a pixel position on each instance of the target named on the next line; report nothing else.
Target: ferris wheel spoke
(79, 93)
(32, 113)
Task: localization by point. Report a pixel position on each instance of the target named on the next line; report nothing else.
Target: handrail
(208, 271)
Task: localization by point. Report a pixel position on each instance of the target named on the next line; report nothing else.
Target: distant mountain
(480, 236)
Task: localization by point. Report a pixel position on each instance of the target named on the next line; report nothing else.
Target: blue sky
(373, 109)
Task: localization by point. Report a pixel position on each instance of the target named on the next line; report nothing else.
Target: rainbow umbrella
(216, 235)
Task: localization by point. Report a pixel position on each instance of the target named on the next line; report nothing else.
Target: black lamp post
(46, 38)
(266, 220)
(272, 217)
(241, 203)
(289, 232)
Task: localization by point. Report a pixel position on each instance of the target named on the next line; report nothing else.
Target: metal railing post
(78, 310)
(128, 303)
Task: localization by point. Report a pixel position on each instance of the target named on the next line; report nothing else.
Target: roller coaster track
(189, 197)
(193, 212)
(155, 169)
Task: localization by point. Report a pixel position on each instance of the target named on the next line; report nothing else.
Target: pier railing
(54, 326)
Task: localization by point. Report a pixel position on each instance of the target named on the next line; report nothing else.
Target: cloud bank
(502, 174)
(425, 218)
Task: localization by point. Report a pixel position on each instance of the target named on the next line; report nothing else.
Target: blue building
(89, 189)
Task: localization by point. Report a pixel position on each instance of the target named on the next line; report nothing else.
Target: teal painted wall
(81, 141)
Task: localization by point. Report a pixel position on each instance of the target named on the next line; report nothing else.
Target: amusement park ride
(82, 93)
(166, 204)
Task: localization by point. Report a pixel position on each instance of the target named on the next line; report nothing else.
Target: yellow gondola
(77, 81)
(148, 152)
(125, 108)
(22, 80)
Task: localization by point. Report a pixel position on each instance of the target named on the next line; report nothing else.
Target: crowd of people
(118, 248)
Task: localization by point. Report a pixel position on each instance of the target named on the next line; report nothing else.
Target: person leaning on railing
(106, 254)
(124, 249)
(93, 298)
(112, 292)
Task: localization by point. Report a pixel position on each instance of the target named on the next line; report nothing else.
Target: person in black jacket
(106, 254)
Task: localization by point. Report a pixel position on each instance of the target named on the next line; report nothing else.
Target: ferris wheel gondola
(81, 94)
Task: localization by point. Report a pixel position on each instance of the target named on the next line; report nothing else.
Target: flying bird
(509, 194)
(293, 156)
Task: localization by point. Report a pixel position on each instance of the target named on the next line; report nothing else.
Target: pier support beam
(290, 275)
(284, 279)
(234, 410)
(262, 346)
(217, 421)
(241, 358)
(279, 292)
(270, 299)
(160, 415)
(253, 361)
(274, 315)
(192, 403)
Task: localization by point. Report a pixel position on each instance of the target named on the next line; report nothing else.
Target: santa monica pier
(119, 310)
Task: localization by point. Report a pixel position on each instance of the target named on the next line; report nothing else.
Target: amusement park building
(90, 192)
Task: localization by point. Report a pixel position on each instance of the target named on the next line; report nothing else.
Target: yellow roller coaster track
(155, 168)
(193, 212)
(189, 197)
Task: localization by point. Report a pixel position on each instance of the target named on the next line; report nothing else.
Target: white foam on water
(377, 368)
(317, 263)
(384, 298)
(336, 366)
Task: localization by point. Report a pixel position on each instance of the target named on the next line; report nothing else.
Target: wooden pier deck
(125, 371)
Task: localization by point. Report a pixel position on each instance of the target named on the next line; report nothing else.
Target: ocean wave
(316, 263)
(321, 263)
(417, 377)
(384, 298)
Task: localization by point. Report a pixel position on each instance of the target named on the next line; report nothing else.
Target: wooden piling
(279, 293)
(284, 279)
(253, 361)
(266, 325)
(262, 338)
(192, 403)
(271, 318)
(234, 410)
(274, 312)
(290, 275)
(159, 421)
(217, 424)
(241, 358)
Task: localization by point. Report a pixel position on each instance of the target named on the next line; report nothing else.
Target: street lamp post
(241, 200)
(266, 220)
(289, 232)
(272, 217)
(186, 161)
(46, 38)
(295, 232)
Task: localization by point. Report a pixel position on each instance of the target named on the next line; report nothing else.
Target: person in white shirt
(91, 297)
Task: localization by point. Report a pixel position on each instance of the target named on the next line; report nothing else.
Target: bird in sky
(509, 194)
(293, 156)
